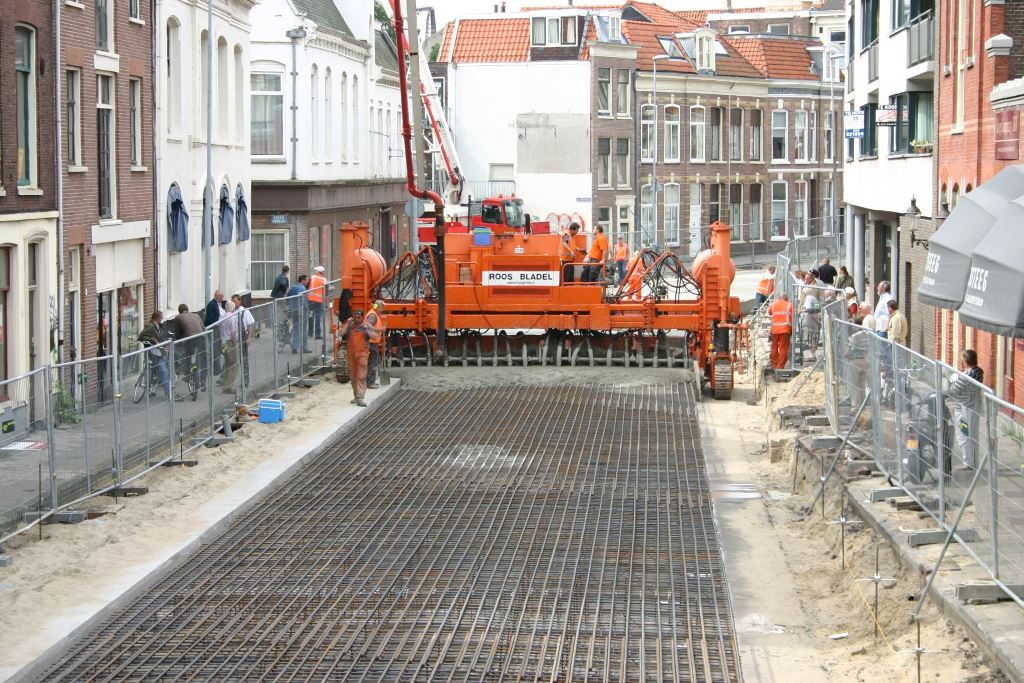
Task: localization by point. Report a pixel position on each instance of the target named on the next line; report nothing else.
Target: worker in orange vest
(621, 256)
(766, 286)
(375, 319)
(569, 252)
(596, 256)
(358, 336)
(317, 289)
(635, 269)
(781, 312)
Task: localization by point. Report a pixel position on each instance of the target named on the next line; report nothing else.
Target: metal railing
(75, 430)
(920, 38)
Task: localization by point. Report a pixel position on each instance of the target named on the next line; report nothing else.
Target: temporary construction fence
(75, 430)
(946, 440)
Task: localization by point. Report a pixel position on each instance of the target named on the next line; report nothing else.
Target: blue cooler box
(481, 237)
(271, 410)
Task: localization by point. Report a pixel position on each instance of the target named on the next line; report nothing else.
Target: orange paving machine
(505, 301)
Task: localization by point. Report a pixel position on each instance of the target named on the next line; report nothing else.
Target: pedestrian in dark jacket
(152, 335)
(298, 310)
(212, 316)
(280, 288)
(188, 333)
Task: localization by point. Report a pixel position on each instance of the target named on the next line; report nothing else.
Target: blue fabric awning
(177, 221)
(227, 216)
(242, 212)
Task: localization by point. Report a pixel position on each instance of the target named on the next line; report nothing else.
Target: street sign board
(520, 278)
(414, 207)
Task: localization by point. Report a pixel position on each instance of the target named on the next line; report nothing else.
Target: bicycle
(192, 379)
(149, 380)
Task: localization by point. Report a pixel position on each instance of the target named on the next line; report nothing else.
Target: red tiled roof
(700, 16)
(445, 54)
(645, 37)
(736, 64)
(492, 40)
(541, 8)
(591, 35)
(780, 57)
(659, 15)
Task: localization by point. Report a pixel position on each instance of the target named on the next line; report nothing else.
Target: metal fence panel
(24, 447)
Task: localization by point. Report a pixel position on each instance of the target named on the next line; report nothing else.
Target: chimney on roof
(503, 7)
(570, 3)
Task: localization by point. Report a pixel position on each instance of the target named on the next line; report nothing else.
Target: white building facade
(181, 142)
(326, 144)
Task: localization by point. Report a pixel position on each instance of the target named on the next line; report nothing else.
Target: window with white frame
(800, 208)
(604, 162)
(778, 29)
(25, 101)
(672, 198)
(314, 113)
(801, 147)
(343, 110)
(74, 116)
(716, 133)
(269, 255)
(622, 162)
(552, 31)
(755, 213)
(172, 105)
(623, 221)
(812, 136)
(622, 92)
(329, 115)
(780, 125)
(739, 28)
(614, 29)
(133, 9)
(829, 140)
(735, 134)
(671, 133)
(204, 54)
(105, 145)
(239, 131)
(267, 114)
(756, 135)
(604, 219)
(780, 201)
(736, 211)
(695, 219)
(705, 40)
(647, 210)
(647, 133)
(716, 203)
(604, 87)
(356, 118)
(697, 134)
(222, 89)
(105, 25)
(135, 120)
(568, 30)
(538, 31)
(827, 208)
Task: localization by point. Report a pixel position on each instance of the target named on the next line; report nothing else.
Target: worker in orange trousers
(358, 336)
(781, 312)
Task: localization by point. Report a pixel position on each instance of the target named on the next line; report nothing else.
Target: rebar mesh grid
(488, 534)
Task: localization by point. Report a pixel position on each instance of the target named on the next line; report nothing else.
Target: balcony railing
(872, 54)
(920, 39)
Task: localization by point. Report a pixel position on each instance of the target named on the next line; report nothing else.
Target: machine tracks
(488, 534)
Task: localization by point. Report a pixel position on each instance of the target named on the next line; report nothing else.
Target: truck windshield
(514, 213)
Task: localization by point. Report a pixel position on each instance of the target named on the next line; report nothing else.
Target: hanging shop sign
(1008, 135)
(853, 123)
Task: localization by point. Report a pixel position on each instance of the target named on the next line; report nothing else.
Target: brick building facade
(28, 191)
(107, 165)
(981, 50)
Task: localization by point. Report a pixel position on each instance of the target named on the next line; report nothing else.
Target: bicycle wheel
(140, 386)
(192, 381)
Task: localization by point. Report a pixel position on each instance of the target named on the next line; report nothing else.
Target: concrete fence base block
(283, 394)
(64, 517)
(878, 495)
(816, 421)
(933, 536)
(825, 441)
(305, 383)
(180, 463)
(984, 592)
(6, 560)
(128, 491)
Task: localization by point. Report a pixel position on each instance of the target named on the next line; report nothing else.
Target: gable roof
(444, 54)
(645, 37)
(504, 39)
(782, 57)
(326, 15)
(384, 53)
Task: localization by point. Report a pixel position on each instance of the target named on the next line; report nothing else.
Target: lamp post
(834, 54)
(208, 189)
(654, 173)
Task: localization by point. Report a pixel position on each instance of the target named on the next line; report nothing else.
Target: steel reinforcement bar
(487, 534)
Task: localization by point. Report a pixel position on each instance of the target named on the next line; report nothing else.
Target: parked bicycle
(149, 378)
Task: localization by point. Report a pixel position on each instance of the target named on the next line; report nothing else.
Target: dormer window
(548, 31)
(705, 49)
(670, 47)
(614, 29)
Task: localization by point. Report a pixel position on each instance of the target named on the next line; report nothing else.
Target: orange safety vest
(621, 252)
(376, 321)
(598, 248)
(766, 286)
(782, 317)
(317, 286)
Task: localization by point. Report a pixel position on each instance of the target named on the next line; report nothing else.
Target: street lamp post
(834, 54)
(654, 162)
